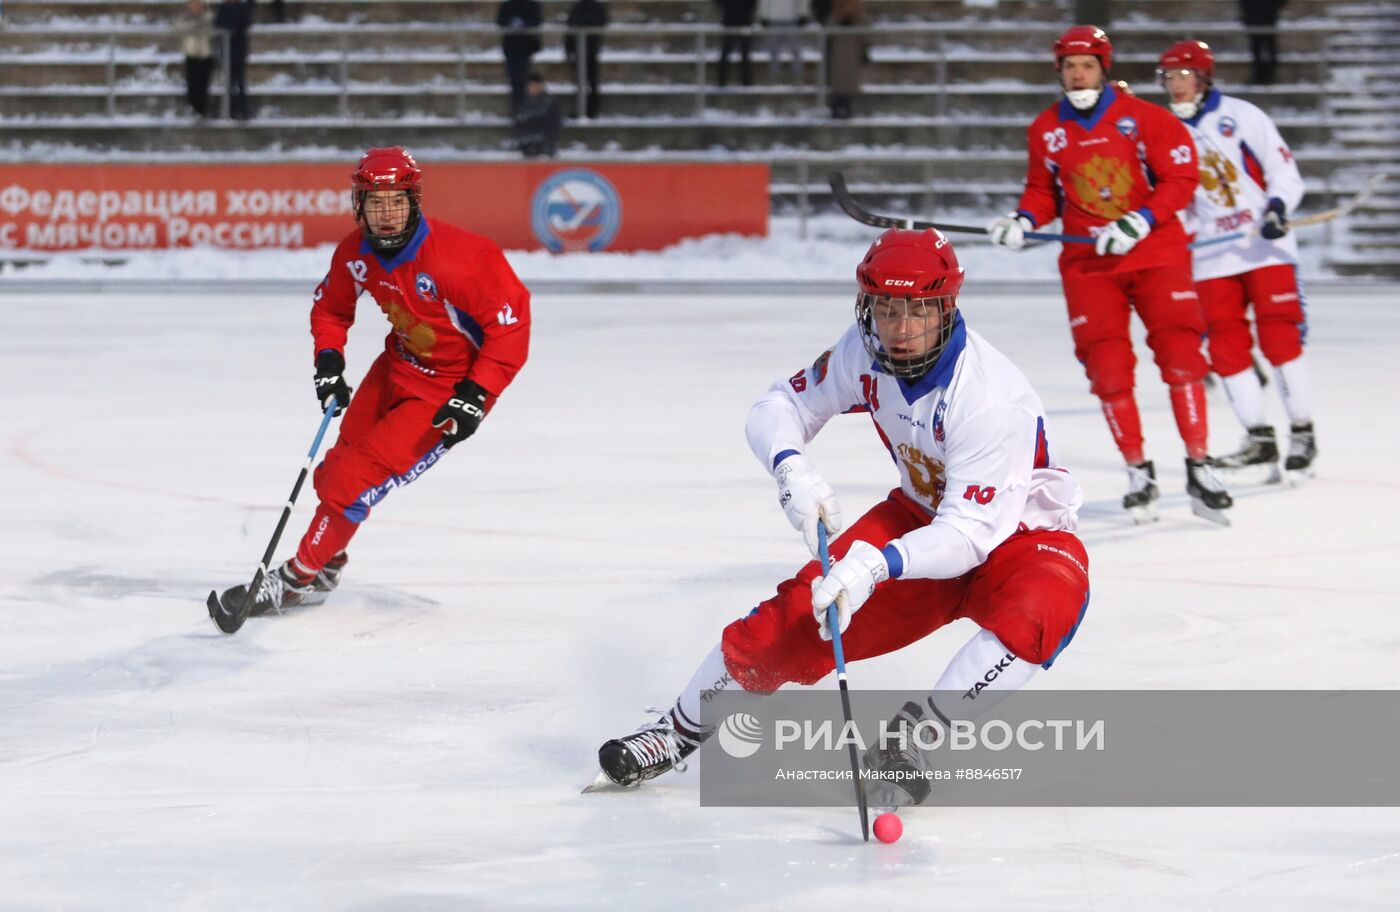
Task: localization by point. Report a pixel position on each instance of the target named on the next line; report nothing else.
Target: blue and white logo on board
(576, 209)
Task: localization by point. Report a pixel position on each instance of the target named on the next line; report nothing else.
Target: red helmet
(1085, 39)
(1188, 55)
(387, 169)
(910, 276)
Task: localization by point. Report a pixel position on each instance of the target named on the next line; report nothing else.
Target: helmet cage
(398, 238)
(942, 308)
(387, 169)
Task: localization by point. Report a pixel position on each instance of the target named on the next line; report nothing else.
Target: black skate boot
(1255, 462)
(1209, 499)
(282, 588)
(326, 580)
(897, 765)
(1302, 450)
(1142, 491)
(646, 753)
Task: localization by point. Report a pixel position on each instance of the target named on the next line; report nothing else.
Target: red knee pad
(767, 649)
(1109, 365)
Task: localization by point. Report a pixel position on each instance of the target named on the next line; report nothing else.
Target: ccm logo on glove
(461, 415)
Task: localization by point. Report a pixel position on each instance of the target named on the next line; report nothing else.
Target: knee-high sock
(1189, 407)
(981, 675)
(1124, 424)
(711, 678)
(1246, 397)
(1295, 384)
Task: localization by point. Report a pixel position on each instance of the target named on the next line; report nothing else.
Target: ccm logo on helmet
(900, 283)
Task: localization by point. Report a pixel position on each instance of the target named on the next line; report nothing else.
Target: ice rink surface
(419, 741)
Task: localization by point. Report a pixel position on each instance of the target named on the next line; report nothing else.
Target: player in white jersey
(981, 525)
(1249, 184)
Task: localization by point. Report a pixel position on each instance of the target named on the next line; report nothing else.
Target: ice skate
(1209, 499)
(282, 588)
(1255, 462)
(648, 752)
(1142, 492)
(325, 581)
(1302, 450)
(897, 770)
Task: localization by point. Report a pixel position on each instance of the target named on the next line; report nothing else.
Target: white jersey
(1244, 163)
(969, 439)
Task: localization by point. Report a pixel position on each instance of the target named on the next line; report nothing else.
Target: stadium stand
(949, 90)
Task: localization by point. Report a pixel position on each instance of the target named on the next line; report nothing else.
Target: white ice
(418, 742)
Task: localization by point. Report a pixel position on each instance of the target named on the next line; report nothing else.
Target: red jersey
(456, 307)
(1090, 169)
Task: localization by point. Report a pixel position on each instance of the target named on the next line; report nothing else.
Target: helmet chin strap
(1083, 99)
(1187, 109)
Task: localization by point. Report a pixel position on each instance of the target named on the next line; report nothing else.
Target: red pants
(1031, 592)
(387, 440)
(1278, 317)
(1100, 307)
(1165, 300)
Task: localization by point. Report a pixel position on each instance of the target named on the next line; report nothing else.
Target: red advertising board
(574, 206)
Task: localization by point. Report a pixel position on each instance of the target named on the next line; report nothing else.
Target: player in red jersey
(1118, 168)
(460, 332)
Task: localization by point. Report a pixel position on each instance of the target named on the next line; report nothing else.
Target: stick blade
(230, 610)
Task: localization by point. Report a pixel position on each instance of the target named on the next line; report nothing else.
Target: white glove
(1121, 236)
(806, 499)
(1009, 231)
(851, 581)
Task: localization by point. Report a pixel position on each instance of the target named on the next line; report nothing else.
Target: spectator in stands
(1261, 18)
(279, 11)
(783, 16)
(736, 14)
(537, 121)
(586, 14)
(193, 25)
(236, 17)
(519, 47)
(846, 54)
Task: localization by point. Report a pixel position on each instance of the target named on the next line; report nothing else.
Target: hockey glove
(330, 380)
(806, 499)
(851, 581)
(1009, 231)
(461, 415)
(1117, 238)
(1275, 220)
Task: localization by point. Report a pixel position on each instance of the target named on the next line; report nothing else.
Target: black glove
(330, 380)
(1275, 220)
(461, 415)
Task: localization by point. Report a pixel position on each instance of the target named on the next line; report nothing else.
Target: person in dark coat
(236, 18)
(735, 14)
(1261, 18)
(586, 14)
(519, 48)
(846, 55)
(537, 121)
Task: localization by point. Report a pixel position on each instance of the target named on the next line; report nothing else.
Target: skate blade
(1263, 474)
(1144, 514)
(1210, 513)
(1298, 477)
(603, 784)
